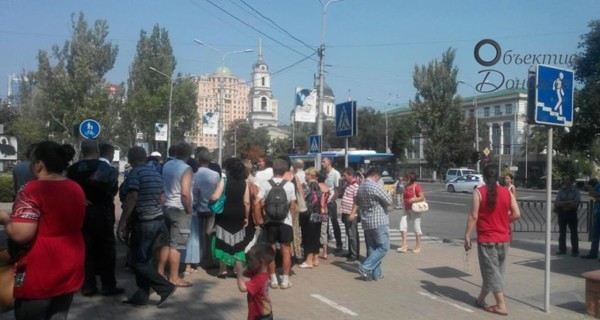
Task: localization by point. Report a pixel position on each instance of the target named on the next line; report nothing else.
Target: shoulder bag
(420, 206)
(218, 206)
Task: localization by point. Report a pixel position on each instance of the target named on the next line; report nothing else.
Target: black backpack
(276, 204)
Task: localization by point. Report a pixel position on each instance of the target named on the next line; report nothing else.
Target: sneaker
(274, 285)
(305, 265)
(286, 285)
(364, 274)
(164, 298)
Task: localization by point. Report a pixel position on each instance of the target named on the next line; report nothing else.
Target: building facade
(235, 103)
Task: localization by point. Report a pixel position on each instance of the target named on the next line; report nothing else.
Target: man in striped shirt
(143, 214)
(372, 199)
(348, 210)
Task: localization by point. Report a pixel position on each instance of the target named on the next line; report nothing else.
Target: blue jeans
(142, 244)
(378, 243)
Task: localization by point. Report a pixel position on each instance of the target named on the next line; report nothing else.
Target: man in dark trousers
(99, 181)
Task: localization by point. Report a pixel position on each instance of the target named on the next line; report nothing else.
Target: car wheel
(450, 188)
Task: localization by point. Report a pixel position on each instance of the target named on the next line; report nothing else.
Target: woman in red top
(46, 223)
(412, 193)
(494, 208)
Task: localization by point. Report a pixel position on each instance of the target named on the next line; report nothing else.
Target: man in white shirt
(279, 232)
(264, 173)
(333, 182)
(107, 152)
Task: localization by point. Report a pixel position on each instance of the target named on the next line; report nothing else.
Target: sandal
(222, 275)
(305, 265)
(480, 305)
(494, 310)
(182, 284)
(190, 271)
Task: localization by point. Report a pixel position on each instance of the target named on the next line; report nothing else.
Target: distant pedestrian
(372, 201)
(412, 193)
(46, 222)
(400, 193)
(259, 258)
(494, 208)
(348, 207)
(566, 206)
(310, 221)
(21, 172)
(593, 187)
(333, 182)
(509, 183)
(143, 215)
(100, 184)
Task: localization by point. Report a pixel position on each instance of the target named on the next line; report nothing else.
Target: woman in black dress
(230, 226)
(310, 221)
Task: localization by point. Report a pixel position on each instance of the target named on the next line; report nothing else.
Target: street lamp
(321, 79)
(476, 121)
(221, 89)
(172, 79)
(387, 103)
(170, 105)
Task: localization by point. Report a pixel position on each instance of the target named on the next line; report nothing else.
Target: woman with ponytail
(494, 208)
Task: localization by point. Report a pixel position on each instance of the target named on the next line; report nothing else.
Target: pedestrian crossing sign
(554, 96)
(314, 144)
(345, 119)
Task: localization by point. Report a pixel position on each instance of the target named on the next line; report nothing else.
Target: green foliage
(247, 139)
(438, 114)
(69, 82)
(6, 188)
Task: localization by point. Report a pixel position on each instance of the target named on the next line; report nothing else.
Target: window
(263, 81)
(508, 109)
(497, 111)
(486, 111)
(263, 104)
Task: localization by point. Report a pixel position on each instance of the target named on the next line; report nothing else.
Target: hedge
(6, 188)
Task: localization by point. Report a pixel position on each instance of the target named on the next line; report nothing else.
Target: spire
(260, 55)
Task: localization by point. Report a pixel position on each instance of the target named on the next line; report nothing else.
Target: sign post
(552, 105)
(345, 124)
(314, 144)
(89, 129)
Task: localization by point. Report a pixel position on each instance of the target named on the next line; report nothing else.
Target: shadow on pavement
(448, 292)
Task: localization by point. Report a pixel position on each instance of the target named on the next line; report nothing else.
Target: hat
(155, 154)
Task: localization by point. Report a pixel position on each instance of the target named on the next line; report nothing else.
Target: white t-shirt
(290, 190)
(263, 175)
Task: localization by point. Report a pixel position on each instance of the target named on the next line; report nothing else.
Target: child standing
(259, 303)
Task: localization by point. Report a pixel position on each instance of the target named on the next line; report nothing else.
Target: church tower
(263, 106)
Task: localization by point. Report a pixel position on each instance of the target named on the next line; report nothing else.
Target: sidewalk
(439, 283)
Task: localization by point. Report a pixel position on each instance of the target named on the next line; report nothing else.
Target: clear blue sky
(372, 45)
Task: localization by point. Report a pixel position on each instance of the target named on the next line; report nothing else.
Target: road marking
(436, 298)
(333, 304)
(452, 203)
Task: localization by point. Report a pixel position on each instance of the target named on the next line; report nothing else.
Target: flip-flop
(480, 305)
(494, 310)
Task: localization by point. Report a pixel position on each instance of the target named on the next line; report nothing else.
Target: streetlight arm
(208, 46)
(159, 72)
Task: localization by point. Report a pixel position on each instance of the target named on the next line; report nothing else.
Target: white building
(263, 105)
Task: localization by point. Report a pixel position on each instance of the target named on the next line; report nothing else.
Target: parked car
(466, 183)
(458, 172)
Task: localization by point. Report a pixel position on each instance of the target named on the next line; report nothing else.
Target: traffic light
(475, 156)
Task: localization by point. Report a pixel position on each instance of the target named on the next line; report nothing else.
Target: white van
(458, 172)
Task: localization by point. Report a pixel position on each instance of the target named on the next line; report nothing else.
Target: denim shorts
(179, 225)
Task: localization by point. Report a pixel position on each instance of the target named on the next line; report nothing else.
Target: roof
(496, 94)
(223, 69)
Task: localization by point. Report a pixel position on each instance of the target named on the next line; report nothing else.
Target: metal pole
(321, 81)
(549, 149)
(220, 123)
(170, 112)
(476, 129)
(235, 142)
(526, 150)
(387, 146)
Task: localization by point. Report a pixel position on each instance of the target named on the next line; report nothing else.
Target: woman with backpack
(310, 221)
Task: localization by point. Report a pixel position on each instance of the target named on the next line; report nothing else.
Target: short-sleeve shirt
(148, 183)
(349, 197)
(410, 192)
(259, 304)
(333, 181)
(58, 208)
(372, 201)
(205, 183)
(290, 191)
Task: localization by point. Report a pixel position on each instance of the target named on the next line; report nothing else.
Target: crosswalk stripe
(395, 234)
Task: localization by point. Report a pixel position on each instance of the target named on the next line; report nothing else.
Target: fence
(533, 217)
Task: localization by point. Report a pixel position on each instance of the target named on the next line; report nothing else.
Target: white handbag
(420, 206)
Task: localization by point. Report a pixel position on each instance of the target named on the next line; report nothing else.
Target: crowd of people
(186, 213)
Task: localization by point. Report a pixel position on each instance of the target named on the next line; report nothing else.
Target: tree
(69, 82)
(438, 114)
(148, 91)
(585, 132)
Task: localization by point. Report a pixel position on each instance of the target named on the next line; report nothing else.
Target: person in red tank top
(494, 208)
(45, 223)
